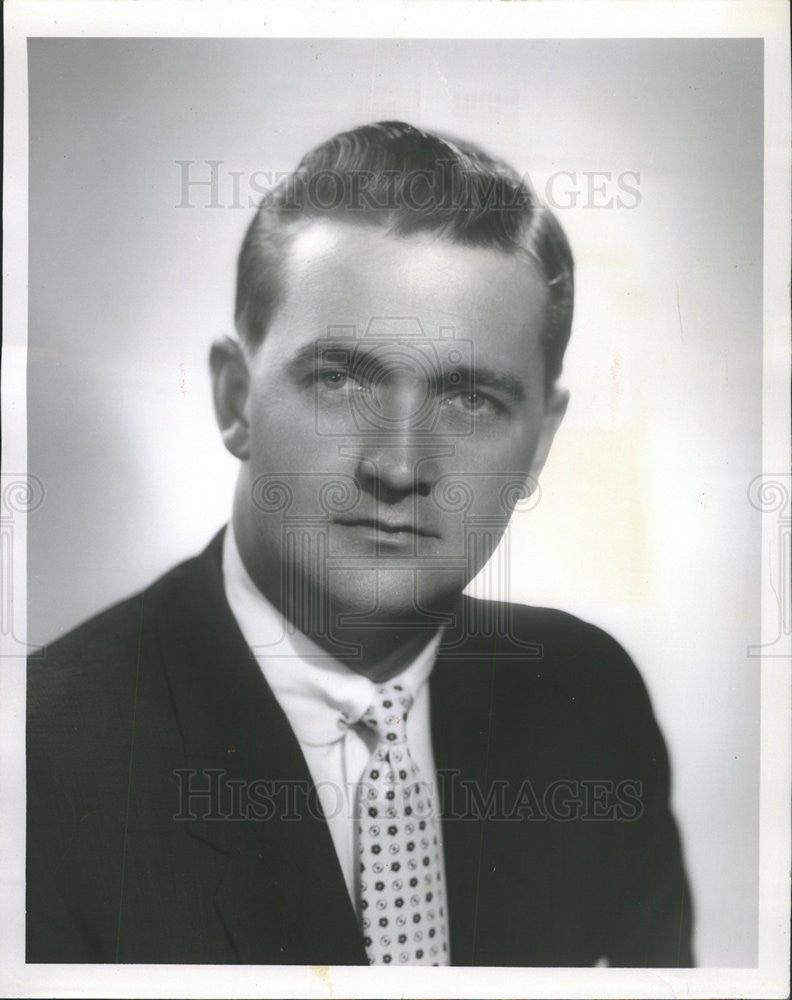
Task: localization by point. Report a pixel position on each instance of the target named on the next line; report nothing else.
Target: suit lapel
(282, 897)
(461, 689)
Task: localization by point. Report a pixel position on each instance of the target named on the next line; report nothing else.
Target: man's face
(388, 419)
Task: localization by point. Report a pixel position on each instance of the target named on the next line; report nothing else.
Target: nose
(398, 457)
(392, 470)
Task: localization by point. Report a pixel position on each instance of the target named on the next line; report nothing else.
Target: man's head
(403, 305)
(403, 181)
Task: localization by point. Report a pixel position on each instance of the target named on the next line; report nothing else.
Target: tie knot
(387, 714)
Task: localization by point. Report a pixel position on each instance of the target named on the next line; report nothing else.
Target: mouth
(383, 527)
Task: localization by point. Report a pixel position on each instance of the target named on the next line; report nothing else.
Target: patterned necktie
(402, 896)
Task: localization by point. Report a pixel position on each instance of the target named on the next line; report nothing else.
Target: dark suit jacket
(559, 845)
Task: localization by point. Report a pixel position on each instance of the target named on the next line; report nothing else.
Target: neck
(383, 652)
(377, 647)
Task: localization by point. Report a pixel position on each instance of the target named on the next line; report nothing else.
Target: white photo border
(410, 19)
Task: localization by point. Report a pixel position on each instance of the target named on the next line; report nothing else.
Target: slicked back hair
(403, 180)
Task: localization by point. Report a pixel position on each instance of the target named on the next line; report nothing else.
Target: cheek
(282, 429)
(488, 477)
(510, 450)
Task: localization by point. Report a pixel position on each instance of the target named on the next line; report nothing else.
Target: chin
(393, 597)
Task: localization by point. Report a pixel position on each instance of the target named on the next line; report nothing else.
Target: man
(306, 745)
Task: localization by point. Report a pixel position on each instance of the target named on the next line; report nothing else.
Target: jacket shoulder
(543, 636)
(531, 652)
(102, 654)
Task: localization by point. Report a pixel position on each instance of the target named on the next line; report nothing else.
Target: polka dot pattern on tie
(402, 896)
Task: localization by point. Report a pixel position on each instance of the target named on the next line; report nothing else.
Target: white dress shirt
(322, 698)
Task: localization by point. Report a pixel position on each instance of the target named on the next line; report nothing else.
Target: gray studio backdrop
(146, 158)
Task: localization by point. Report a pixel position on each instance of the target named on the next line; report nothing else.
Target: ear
(230, 388)
(555, 408)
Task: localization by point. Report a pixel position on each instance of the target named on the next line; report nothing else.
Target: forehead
(358, 279)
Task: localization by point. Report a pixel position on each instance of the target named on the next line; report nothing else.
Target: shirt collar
(320, 695)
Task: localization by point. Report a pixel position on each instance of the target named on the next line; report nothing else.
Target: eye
(472, 402)
(337, 379)
(334, 379)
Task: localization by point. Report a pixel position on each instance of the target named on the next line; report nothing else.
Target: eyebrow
(475, 376)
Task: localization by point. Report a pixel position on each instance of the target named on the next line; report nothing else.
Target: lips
(387, 527)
